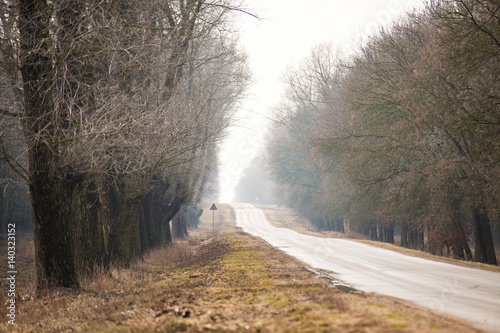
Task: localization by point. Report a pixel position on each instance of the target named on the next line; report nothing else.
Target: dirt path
(231, 282)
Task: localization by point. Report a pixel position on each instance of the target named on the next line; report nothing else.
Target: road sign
(213, 208)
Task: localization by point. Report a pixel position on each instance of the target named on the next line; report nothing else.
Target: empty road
(467, 293)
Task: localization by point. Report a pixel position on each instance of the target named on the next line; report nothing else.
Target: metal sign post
(213, 208)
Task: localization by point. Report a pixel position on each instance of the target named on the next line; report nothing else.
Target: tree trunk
(372, 231)
(340, 225)
(89, 226)
(164, 208)
(468, 252)
(51, 202)
(459, 244)
(167, 222)
(484, 248)
(387, 233)
(146, 224)
(193, 214)
(50, 188)
(420, 239)
(4, 203)
(179, 227)
(124, 236)
(404, 234)
(412, 238)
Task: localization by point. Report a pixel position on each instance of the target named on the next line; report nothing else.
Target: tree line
(110, 115)
(402, 134)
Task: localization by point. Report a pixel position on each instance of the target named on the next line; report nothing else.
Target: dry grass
(153, 261)
(230, 282)
(283, 217)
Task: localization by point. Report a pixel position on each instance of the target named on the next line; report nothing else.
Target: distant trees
(121, 104)
(292, 163)
(408, 137)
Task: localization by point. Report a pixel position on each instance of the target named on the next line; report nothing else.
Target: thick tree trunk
(169, 214)
(162, 215)
(193, 214)
(484, 248)
(50, 188)
(124, 235)
(51, 202)
(164, 208)
(179, 226)
(89, 226)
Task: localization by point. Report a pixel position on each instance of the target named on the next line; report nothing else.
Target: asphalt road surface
(467, 293)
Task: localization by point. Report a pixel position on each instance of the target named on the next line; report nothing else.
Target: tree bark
(146, 224)
(340, 225)
(50, 188)
(484, 248)
(387, 233)
(404, 235)
(372, 231)
(89, 226)
(163, 213)
(4, 203)
(179, 226)
(124, 234)
(193, 214)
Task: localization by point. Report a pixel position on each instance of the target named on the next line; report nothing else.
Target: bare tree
(116, 99)
(293, 165)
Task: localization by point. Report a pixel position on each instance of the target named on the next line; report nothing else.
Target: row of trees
(403, 134)
(110, 112)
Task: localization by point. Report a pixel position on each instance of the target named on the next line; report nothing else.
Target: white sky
(284, 36)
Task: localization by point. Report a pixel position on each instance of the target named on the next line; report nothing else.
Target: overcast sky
(282, 37)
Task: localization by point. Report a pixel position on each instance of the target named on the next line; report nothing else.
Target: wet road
(467, 293)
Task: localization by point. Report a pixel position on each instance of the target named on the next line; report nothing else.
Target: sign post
(213, 208)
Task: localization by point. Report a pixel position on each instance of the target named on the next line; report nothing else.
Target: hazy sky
(285, 34)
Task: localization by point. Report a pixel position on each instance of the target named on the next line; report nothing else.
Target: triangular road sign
(213, 207)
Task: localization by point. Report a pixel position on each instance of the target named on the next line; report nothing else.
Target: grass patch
(376, 304)
(434, 325)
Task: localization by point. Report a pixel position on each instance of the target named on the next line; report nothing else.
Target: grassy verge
(230, 282)
(283, 217)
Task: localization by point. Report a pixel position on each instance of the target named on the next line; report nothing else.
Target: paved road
(467, 293)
